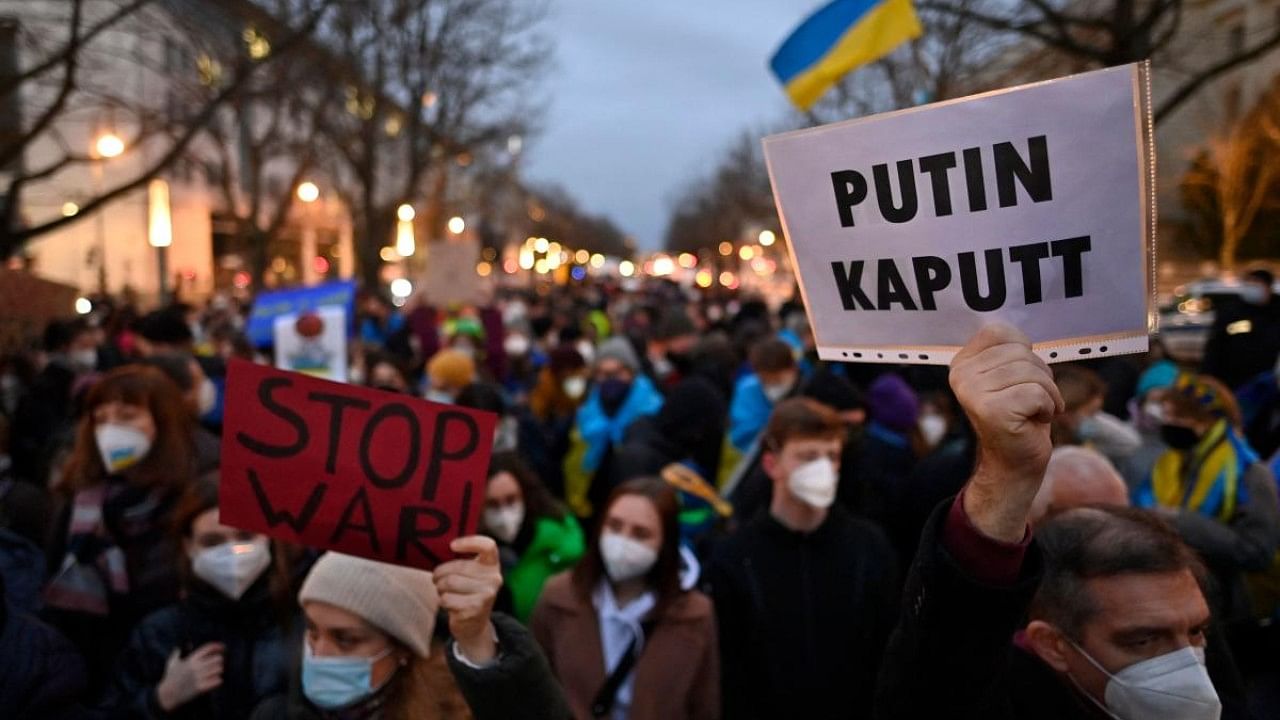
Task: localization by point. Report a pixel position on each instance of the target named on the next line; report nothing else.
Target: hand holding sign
(1010, 398)
(368, 473)
(468, 588)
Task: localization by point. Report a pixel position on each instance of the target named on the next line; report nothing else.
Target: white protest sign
(450, 275)
(1032, 205)
(314, 342)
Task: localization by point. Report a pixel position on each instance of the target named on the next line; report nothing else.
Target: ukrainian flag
(837, 38)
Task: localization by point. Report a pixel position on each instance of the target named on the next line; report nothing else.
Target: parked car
(1187, 317)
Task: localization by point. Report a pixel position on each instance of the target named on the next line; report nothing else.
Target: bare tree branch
(1190, 86)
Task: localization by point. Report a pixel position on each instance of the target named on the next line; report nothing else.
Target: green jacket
(557, 545)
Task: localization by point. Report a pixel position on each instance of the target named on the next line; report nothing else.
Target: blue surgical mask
(334, 682)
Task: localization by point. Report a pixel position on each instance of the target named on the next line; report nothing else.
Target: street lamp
(308, 192)
(160, 228)
(106, 146)
(767, 237)
(457, 225)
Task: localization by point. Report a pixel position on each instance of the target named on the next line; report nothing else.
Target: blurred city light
(405, 213)
(626, 268)
(457, 225)
(109, 145)
(83, 306)
(308, 192)
(401, 288)
(767, 237)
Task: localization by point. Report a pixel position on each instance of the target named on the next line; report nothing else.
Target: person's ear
(770, 462)
(1049, 644)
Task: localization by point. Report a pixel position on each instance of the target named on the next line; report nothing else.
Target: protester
(1076, 477)
(111, 563)
(1244, 341)
(448, 372)
(1147, 414)
(1117, 626)
(42, 677)
(200, 395)
(1221, 500)
(45, 413)
(668, 357)
(560, 387)
(888, 450)
(368, 650)
(625, 639)
(619, 396)
(774, 375)
(1085, 422)
(378, 321)
(805, 594)
(537, 537)
(386, 373)
(221, 649)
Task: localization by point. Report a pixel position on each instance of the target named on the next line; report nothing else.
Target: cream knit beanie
(400, 601)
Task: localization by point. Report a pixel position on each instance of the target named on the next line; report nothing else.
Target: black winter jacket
(256, 657)
(41, 675)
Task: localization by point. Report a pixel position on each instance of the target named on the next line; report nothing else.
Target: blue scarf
(599, 431)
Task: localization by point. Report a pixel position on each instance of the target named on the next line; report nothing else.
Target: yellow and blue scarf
(1208, 479)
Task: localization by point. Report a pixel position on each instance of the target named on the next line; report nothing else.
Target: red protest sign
(368, 473)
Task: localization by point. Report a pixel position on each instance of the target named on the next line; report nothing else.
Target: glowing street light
(582, 257)
(108, 145)
(767, 237)
(597, 261)
(541, 244)
(626, 268)
(308, 192)
(159, 219)
(401, 288)
(726, 248)
(83, 306)
(746, 252)
(404, 236)
(457, 225)
(405, 213)
(70, 209)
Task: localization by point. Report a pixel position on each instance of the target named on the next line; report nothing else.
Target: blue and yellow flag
(839, 37)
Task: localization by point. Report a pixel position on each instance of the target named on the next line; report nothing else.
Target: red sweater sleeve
(984, 558)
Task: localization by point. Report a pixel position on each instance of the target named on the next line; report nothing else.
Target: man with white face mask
(1118, 622)
(805, 593)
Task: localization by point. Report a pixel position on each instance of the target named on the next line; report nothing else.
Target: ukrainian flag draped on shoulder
(1208, 480)
(839, 37)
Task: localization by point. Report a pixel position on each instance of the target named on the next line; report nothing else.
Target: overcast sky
(645, 95)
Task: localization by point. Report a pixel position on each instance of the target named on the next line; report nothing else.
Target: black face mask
(613, 393)
(1179, 437)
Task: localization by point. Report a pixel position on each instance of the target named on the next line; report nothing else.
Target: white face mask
(1154, 410)
(624, 558)
(933, 428)
(207, 397)
(575, 387)
(516, 345)
(121, 446)
(1173, 686)
(775, 392)
(232, 567)
(83, 360)
(814, 483)
(504, 522)
(439, 396)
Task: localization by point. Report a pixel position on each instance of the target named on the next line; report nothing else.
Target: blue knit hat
(1160, 375)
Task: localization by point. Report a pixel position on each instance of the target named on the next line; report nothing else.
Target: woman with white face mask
(626, 641)
(537, 536)
(133, 458)
(222, 648)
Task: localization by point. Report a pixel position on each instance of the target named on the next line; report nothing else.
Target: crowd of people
(687, 515)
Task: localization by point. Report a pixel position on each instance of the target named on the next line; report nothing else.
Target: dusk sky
(645, 95)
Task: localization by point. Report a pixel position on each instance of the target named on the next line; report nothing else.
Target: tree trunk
(257, 241)
(377, 230)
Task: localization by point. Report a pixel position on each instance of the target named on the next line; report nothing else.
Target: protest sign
(260, 328)
(450, 272)
(380, 475)
(1032, 205)
(313, 342)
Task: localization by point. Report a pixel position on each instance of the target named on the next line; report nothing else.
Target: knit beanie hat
(452, 368)
(833, 391)
(397, 600)
(619, 348)
(892, 403)
(1162, 374)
